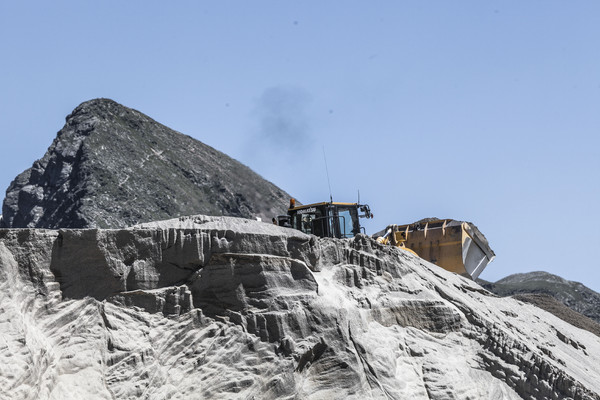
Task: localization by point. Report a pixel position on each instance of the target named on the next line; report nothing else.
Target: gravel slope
(218, 307)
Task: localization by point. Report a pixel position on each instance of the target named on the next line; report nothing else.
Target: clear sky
(480, 111)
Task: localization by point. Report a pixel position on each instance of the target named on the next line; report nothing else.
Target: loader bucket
(456, 246)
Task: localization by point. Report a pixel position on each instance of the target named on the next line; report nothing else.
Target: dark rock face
(574, 295)
(111, 166)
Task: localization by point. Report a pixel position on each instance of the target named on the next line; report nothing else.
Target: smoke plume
(283, 121)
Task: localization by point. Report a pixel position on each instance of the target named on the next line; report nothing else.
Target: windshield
(348, 222)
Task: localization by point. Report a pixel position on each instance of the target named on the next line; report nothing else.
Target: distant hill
(111, 166)
(574, 295)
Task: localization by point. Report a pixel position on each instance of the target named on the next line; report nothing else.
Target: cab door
(346, 222)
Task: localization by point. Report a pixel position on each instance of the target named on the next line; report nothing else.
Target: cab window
(345, 223)
(310, 223)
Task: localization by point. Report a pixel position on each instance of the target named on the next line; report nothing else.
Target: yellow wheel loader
(456, 246)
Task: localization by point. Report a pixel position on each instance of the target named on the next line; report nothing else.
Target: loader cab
(336, 220)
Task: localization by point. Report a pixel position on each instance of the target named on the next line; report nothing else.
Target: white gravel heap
(208, 307)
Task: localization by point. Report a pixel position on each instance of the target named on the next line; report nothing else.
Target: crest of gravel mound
(227, 308)
(112, 166)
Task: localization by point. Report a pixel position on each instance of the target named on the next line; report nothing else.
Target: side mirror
(366, 210)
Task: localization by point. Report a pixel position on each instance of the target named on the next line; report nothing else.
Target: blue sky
(481, 111)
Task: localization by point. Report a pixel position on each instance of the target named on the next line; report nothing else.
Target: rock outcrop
(112, 167)
(216, 307)
(574, 295)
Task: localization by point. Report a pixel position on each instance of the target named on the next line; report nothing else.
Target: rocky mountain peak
(102, 108)
(83, 180)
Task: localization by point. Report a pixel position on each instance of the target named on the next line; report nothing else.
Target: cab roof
(333, 203)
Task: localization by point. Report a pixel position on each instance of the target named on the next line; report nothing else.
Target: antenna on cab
(327, 172)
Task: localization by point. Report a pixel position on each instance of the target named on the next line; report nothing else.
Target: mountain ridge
(84, 179)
